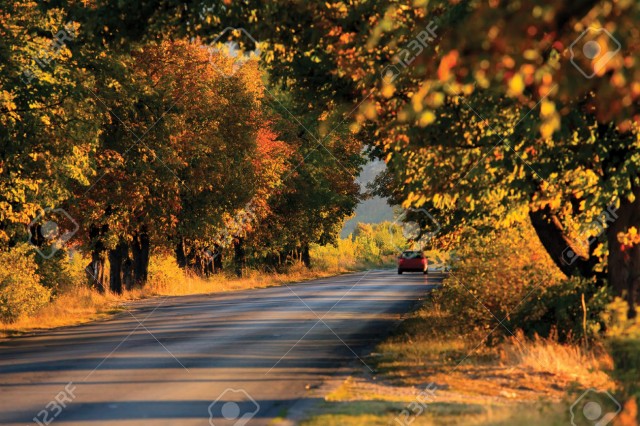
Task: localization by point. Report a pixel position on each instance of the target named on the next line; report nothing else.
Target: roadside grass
(77, 303)
(381, 413)
(519, 381)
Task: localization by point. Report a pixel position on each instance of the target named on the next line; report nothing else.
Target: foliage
(507, 277)
(47, 127)
(164, 273)
(486, 118)
(372, 245)
(623, 341)
(626, 363)
(557, 311)
(495, 273)
(63, 272)
(20, 290)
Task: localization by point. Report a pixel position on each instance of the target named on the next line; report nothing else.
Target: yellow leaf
(547, 108)
(388, 90)
(427, 118)
(516, 85)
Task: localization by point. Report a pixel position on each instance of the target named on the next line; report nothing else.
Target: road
(248, 357)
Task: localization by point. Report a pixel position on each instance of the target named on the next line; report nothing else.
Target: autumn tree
(47, 126)
(540, 101)
(546, 134)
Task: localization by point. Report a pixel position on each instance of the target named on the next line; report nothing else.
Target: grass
(79, 304)
(524, 382)
(370, 246)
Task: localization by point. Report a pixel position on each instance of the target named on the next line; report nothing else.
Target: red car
(412, 261)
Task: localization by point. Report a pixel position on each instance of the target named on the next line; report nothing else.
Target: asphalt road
(250, 357)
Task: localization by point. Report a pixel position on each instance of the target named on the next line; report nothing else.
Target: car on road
(412, 261)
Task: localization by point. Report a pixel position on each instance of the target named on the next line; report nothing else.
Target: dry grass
(567, 362)
(524, 382)
(80, 304)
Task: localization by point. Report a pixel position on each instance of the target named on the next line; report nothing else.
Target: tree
(462, 55)
(47, 124)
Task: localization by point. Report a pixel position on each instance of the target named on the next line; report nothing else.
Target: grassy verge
(79, 304)
(463, 380)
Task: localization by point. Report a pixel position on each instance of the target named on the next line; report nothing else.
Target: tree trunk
(239, 256)
(560, 247)
(140, 248)
(97, 269)
(209, 257)
(181, 256)
(198, 263)
(623, 262)
(128, 279)
(217, 259)
(36, 238)
(115, 269)
(306, 257)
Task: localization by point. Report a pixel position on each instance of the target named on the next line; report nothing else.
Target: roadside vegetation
(135, 156)
(56, 292)
(505, 340)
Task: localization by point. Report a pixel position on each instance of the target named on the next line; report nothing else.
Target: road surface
(249, 357)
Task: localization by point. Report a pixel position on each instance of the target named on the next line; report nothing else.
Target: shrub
(626, 363)
(623, 341)
(369, 245)
(63, 272)
(164, 273)
(557, 310)
(507, 276)
(20, 290)
(493, 275)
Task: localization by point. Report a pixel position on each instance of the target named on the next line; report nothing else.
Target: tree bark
(623, 263)
(239, 256)
(97, 269)
(560, 247)
(140, 248)
(306, 257)
(115, 270)
(128, 279)
(209, 257)
(217, 259)
(181, 256)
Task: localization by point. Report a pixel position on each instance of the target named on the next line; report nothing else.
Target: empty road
(249, 357)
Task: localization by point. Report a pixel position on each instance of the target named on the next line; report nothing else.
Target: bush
(557, 310)
(20, 290)
(164, 273)
(626, 363)
(493, 275)
(368, 246)
(508, 276)
(63, 272)
(623, 341)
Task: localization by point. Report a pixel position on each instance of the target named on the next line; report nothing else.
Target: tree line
(486, 113)
(156, 144)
